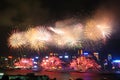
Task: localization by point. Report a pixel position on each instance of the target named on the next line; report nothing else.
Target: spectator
(79, 79)
(5, 77)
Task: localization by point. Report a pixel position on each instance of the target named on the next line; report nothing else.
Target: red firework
(24, 63)
(84, 64)
(51, 63)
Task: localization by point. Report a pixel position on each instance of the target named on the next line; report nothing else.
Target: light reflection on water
(84, 76)
(69, 75)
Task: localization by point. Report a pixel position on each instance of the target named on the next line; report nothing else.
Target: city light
(35, 66)
(84, 64)
(66, 56)
(60, 56)
(116, 61)
(35, 62)
(85, 53)
(1, 74)
(6, 59)
(32, 59)
(46, 57)
(73, 56)
(36, 57)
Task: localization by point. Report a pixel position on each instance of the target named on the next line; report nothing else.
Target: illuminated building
(51, 54)
(60, 57)
(80, 52)
(86, 54)
(74, 57)
(96, 55)
(109, 57)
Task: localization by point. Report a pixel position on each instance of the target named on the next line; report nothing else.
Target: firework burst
(84, 64)
(68, 36)
(52, 63)
(63, 35)
(24, 63)
(16, 40)
(37, 37)
(95, 30)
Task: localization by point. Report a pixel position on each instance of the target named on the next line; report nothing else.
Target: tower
(96, 54)
(80, 52)
(109, 57)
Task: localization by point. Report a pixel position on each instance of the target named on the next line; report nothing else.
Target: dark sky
(14, 13)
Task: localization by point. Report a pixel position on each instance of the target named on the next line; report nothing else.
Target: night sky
(16, 14)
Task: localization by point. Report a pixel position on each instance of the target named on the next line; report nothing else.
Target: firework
(63, 35)
(84, 64)
(92, 32)
(68, 36)
(24, 63)
(16, 40)
(37, 37)
(51, 63)
(96, 30)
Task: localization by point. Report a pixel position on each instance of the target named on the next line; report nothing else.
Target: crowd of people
(42, 77)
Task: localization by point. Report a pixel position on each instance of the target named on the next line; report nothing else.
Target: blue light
(60, 56)
(66, 56)
(35, 62)
(32, 59)
(116, 61)
(36, 57)
(35, 66)
(85, 53)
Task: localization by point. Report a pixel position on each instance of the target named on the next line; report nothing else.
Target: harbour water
(64, 75)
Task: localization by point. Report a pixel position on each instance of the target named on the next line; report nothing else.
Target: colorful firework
(95, 30)
(37, 37)
(51, 63)
(67, 36)
(16, 40)
(24, 63)
(63, 35)
(84, 64)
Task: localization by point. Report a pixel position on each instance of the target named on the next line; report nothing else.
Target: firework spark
(52, 63)
(67, 36)
(62, 35)
(24, 63)
(36, 37)
(16, 40)
(96, 31)
(84, 64)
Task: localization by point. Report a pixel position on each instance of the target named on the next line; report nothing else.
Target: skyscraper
(96, 54)
(109, 57)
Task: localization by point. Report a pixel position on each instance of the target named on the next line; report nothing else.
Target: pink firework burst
(51, 63)
(84, 64)
(24, 63)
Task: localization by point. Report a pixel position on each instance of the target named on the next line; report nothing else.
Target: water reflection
(67, 75)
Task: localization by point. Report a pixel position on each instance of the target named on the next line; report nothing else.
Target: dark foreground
(64, 75)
